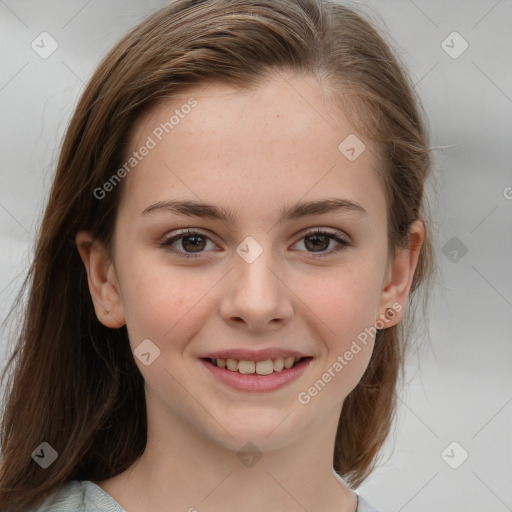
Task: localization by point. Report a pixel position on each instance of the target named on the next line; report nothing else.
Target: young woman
(223, 283)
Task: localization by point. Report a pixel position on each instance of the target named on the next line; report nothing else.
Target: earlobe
(102, 280)
(400, 275)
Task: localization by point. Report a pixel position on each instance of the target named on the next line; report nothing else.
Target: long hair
(75, 384)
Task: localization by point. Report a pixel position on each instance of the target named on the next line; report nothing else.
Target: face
(267, 280)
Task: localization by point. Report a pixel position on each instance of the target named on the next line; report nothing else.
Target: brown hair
(75, 384)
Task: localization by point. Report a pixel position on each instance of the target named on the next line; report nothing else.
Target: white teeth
(278, 364)
(246, 366)
(265, 367)
(260, 367)
(232, 364)
(288, 362)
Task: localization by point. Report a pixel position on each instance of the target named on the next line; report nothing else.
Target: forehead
(280, 138)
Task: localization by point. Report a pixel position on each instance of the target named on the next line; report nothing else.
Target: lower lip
(255, 382)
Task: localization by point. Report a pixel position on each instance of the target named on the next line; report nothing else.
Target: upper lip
(253, 355)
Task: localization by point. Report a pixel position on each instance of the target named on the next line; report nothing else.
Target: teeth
(261, 367)
(246, 366)
(232, 364)
(278, 364)
(265, 367)
(288, 362)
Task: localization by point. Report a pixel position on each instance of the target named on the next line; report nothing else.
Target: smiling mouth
(266, 367)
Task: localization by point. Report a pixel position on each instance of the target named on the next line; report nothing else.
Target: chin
(269, 433)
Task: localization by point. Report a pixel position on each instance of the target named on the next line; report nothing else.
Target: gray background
(458, 384)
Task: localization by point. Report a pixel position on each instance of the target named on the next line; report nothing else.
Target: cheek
(345, 305)
(161, 303)
(345, 308)
(345, 302)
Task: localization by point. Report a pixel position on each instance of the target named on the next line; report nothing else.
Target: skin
(253, 152)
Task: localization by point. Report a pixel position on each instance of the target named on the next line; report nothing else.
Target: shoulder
(364, 506)
(79, 496)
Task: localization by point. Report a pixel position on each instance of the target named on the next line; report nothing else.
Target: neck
(182, 469)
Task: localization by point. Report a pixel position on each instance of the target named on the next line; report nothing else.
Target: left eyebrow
(287, 213)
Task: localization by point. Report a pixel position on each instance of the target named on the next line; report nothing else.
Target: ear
(102, 280)
(399, 276)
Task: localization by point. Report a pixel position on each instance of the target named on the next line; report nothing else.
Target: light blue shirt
(86, 496)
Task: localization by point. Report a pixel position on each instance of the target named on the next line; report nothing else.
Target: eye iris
(322, 246)
(195, 246)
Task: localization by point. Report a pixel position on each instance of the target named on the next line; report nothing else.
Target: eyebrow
(287, 213)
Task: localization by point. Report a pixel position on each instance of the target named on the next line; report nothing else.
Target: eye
(194, 242)
(318, 240)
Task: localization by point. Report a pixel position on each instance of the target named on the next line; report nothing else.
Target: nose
(257, 296)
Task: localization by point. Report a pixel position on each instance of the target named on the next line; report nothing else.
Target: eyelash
(190, 232)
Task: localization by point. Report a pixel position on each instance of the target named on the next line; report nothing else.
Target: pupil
(195, 245)
(316, 244)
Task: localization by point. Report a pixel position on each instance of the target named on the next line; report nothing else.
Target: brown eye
(192, 243)
(318, 241)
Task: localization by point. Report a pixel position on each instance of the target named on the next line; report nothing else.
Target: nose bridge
(255, 292)
(255, 269)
